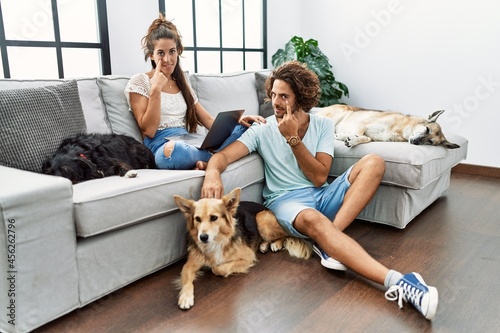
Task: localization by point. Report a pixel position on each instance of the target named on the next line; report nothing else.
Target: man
(297, 148)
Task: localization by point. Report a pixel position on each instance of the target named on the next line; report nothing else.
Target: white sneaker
(328, 261)
(412, 289)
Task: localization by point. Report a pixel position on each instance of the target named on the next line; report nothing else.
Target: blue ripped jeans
(184, 156)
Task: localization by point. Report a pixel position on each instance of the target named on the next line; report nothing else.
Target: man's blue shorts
(327, 200)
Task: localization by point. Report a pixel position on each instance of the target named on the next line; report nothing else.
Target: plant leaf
(309, 53)
(300, 48)
(281, 56)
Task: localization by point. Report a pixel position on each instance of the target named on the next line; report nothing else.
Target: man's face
(280, 93)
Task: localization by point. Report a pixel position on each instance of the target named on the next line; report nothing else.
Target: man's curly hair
(303, 81)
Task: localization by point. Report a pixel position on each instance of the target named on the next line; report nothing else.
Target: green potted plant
(308, 52)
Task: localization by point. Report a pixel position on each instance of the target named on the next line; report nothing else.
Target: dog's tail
(299, 248)
(277, 239)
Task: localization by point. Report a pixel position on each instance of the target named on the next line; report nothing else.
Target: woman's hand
(247, 121)
(159, 79)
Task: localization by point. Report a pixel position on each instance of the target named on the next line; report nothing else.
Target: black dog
(91, 156)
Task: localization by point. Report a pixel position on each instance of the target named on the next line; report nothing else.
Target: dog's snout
(415, 141)
(204, 238)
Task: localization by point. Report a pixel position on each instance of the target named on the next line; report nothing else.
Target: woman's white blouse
(173, 106)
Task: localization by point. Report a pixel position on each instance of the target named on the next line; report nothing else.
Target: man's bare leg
(338, 245)
(365, 178)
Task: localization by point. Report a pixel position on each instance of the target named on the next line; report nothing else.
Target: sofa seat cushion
(106, 204)
(407, 165)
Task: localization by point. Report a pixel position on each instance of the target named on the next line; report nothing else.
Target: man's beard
(293, 109)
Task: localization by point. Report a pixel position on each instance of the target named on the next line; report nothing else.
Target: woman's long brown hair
(162, 28)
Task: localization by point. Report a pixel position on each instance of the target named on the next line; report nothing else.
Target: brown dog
(224, 236)
(354, 126)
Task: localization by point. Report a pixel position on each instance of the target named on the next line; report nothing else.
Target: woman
(164, 105)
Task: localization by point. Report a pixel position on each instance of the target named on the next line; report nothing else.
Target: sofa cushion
(111, 203)
(113, 95)
(222, 92)
(265, 106)
(90, 97)
(35, 121)
(407, 165)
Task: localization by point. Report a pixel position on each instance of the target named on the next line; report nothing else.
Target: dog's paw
(351, 141)
(222, 270)
(277, 245)
(340, 136)
(355, 139)
(186, 301)
(217, 271)
(264, 247)
(131, 174)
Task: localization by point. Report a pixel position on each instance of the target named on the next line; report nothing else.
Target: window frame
(58, 45)
(195, 48)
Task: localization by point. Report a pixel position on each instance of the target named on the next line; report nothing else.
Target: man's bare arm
(315, 168)
(212, 185)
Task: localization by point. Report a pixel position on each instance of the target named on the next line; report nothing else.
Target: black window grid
(221, 49)
(58, 45)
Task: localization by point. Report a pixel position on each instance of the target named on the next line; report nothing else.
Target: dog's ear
(68, 172)
(46, 166)
(185, 205)
(88, 170)
(450, 145)
(433, 117)
(232, 200)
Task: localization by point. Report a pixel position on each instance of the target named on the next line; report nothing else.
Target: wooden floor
(454, 244)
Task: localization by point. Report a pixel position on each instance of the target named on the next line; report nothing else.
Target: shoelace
(395, 293)
(406, 292)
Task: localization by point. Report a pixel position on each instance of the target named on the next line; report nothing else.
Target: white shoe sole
(431, 309)
(332, 263)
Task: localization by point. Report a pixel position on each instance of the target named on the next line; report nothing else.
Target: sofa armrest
(38, 277)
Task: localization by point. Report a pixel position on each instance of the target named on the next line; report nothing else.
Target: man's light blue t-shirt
(282, 171)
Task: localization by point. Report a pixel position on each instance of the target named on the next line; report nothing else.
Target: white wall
(128, 21)
(406, 55)
(410, 56)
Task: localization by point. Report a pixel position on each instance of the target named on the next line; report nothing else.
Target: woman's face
(166, 50)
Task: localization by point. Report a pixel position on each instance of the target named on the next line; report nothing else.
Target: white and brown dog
(224, 235)
(355, 125)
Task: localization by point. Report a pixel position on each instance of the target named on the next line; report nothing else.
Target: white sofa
(63, 246)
